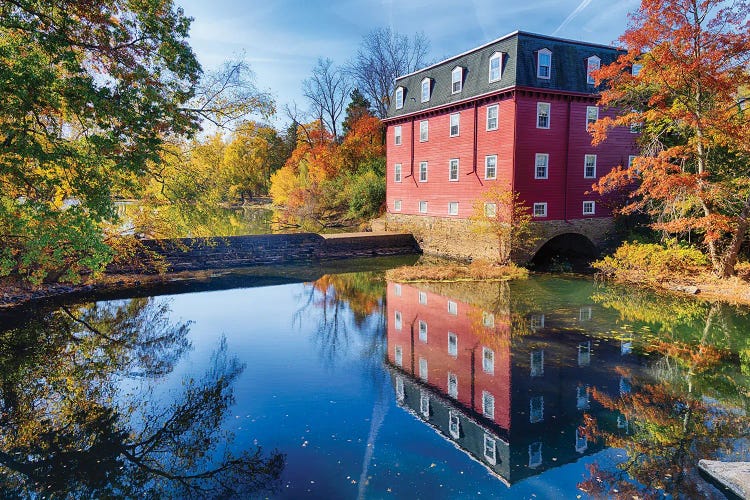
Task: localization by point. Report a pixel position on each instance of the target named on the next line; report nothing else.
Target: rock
(735, 476)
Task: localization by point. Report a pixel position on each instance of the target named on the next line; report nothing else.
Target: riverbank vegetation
(454, 272)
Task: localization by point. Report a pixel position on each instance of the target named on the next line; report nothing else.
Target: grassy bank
(454, 272)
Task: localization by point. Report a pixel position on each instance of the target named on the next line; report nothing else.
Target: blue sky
(282, 39)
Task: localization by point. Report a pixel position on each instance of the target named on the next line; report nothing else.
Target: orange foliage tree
(681, 81)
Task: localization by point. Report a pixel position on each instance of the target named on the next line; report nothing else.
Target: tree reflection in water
(68, 428)
(690, 404)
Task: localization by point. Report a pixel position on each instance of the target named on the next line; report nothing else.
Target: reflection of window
(454, 424)
(400, 395)
(625, 385)
(490, 449)
(452, 344)
(398, 355)
(536, 409)
(397, 289)
(397, 320)
(424, 404)
(423, 297)
(488, 320)
(452, 308)
(452, 385)
(582, 397)
(584, 353)
(488, 360)
(535, 454)
(422, 331)
(585, 314)
(581, 441)
(488, 405)
(423, 369)
(626, 345)
(537, 363)
(622, 422)
(536, 321)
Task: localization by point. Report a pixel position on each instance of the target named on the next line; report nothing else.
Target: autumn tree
(327, 90)
(358, 107)
(501, 213)
(382, 56)
(679, 83)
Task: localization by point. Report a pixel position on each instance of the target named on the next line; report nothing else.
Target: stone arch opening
(565, 252)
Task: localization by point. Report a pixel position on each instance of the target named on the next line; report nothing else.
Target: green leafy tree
(358, 107)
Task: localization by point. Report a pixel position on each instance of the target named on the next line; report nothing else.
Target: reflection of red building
(512, 400)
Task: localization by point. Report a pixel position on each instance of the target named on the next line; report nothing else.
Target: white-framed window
(424, 403)
(423, 171)
(452, 344)
(490, 167)
(399, 97)
(398, 355)
(536, 409)
(397, 172)
(589, 208)
(622, 422)
(635, 127)
(631, 159)
(592, 115)
(626, 344)
(635, 70)
(492, 113)
(426, 84)
(452, 208)
(535, 454)
(424, 130)
(592, 64)
(488, 319)
(536, 321)
(589, 166)
(422, 298)
(488, 405)
(584, 353)
(400, 393)
(537, 363)
(544, 64)
(490, 449)
(625, 386)
(453, 169)
(452, 308)
(422, 207)
(455, 121)
(454, 424)
(423, 369)
(422, 331)
(581, 441)
(540, 209)
(397, 289)
(541, 166)
(490, 209)
(585, 313)
(397, 135)
(457, 79)
(582, 397)
(496, 66)
(398, 324)
(542, 114)
(452, 385)
(488, 360)
(396, 205)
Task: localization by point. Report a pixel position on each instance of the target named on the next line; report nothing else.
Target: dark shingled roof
(568, 72)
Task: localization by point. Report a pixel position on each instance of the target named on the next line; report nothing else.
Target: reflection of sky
(319, 412)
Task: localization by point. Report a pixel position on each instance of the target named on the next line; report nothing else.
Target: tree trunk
(729, 259)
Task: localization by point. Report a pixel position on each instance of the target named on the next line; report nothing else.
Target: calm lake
(348, 386)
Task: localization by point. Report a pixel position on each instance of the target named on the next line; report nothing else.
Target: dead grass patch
(476, 271)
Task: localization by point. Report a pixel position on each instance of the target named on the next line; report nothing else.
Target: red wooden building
(514, 111)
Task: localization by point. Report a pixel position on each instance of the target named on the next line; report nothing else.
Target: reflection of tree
(691, 404)
(67, 427)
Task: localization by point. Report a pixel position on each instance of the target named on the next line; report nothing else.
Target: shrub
(653, 261)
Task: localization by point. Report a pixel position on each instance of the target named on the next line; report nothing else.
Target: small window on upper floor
(492, 117)
(496, 66)
(457, 81)
(542, 114)
(424, 131)
(426, 85)
(635, 70)
(455, 121)
(397, 135)
(544, 64)
(593, 63)
(399, 97)
(592, 115)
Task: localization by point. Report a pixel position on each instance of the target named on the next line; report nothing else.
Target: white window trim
(588, 108)
(589, 69)
(539, 64)
(450, 204)
(421, 205)
(458, 125)
(424, 130)
(452, 392)
(397, 138)
(488, 369)
(537, 156)
(450, 171)
(460, 71)
(452, 307)
(397, 204)
(398, 355)
(422, 331)
(397, 320)
(397, 172)
(452, 335)
(424, 403)
(497, 117)
(490, 210)
(455, 430)
(539, 105)
(486, 167)
(488, 410)
(593, 208)
(490, 443)
(542, 204)
(540, 369)
(499, 56)
(424, 372)
(399, 97)
(421, 171)
(428, 81)
(585, 166)
(422, 297)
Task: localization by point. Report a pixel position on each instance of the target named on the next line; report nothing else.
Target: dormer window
(426, 84)
(496, 64)
(399, 98)
(636, 69)
(592, 64)
(457, 79)
(544, 64)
